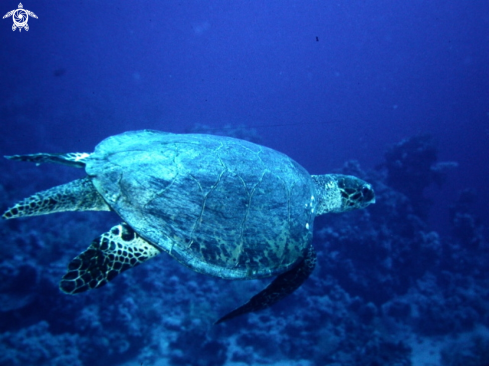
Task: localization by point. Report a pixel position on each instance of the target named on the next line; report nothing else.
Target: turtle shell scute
(221, 206)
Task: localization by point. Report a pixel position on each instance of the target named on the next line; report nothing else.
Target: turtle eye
(368, 193)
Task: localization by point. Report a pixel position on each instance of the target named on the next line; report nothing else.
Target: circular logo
(20, 18)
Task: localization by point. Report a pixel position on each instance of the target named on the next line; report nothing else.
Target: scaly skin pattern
(112, 253)
(79, 195)
(341, 193)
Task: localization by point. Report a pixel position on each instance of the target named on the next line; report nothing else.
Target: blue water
(400, 283)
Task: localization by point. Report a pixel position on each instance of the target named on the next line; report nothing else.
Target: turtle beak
(368, 194)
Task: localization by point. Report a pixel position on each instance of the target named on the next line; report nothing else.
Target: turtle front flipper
(79, 195)
(107, 256)
(71, 159)
(282, 286)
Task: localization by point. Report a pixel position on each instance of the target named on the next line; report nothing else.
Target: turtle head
(340, 193)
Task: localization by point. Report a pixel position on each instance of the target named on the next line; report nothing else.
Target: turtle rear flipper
(280, 287)
(107, 256)
(79, 195)
(70, 159)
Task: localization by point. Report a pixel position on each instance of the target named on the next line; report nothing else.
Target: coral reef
(383, 279)
(412, 166)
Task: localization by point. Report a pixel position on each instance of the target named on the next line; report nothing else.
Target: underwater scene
(236, 182)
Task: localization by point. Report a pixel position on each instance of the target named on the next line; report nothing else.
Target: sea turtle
(20, 17)
(219, 205)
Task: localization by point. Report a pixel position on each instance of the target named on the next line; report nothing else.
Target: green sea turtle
(221, 206)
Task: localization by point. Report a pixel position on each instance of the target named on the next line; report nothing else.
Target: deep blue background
(321, 81)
